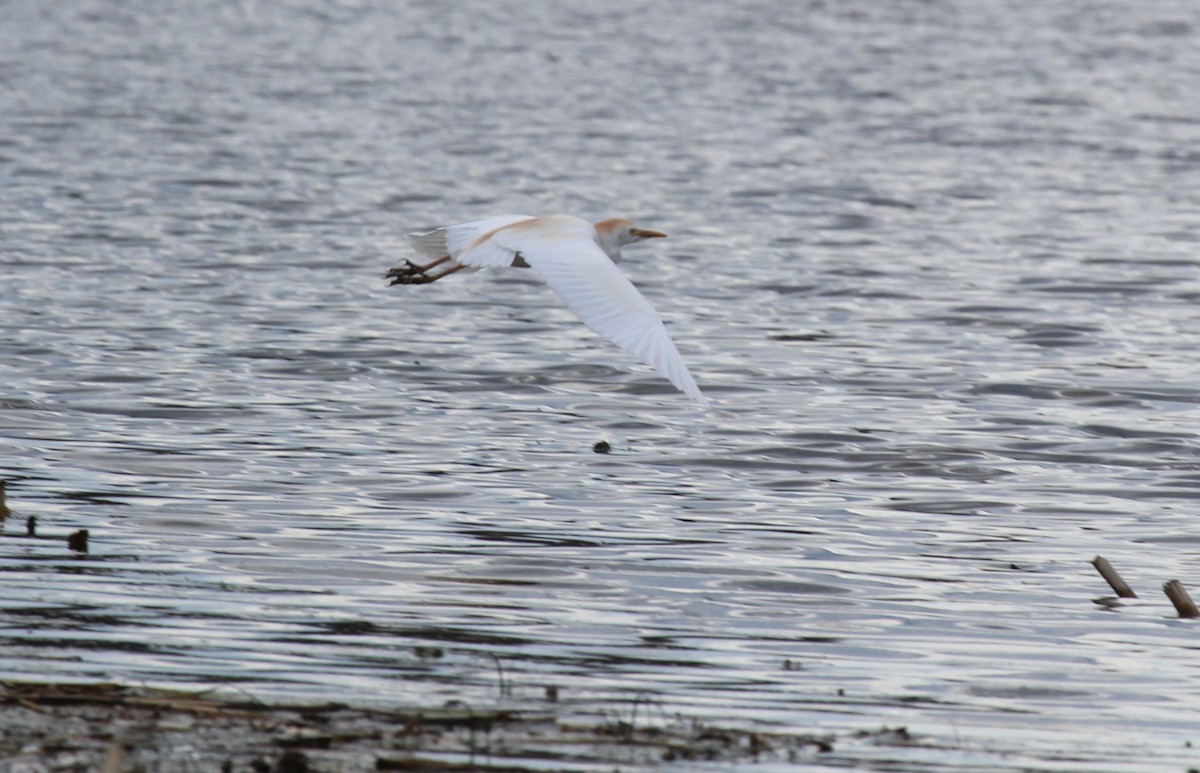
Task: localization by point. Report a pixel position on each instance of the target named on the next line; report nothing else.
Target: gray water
(936, 264)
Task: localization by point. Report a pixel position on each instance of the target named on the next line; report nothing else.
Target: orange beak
(642, 233)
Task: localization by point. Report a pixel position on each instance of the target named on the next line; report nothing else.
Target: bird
(577, 259)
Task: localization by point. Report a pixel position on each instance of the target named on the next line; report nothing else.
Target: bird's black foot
(408, 274)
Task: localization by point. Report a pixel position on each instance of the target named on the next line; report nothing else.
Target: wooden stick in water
(1180, 598)
(4, 511)
(1110, 575)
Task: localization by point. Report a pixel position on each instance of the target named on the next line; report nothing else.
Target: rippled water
(935, 262)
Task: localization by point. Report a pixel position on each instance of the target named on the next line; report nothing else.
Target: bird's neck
(611, 249)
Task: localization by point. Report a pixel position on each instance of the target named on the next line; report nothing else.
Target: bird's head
(616, 233)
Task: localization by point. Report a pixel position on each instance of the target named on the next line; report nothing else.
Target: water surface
(935, 263)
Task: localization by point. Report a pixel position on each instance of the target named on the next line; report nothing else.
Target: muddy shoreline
(111, 728)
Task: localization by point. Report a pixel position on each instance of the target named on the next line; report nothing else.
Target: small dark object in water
(291, 761)
(1106, 570)
(552, 693)
(4, 511)
(78, 541)
(1180, 598)
(31, 526)
(602, 447)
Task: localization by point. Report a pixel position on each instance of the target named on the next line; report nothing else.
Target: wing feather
(474, 244)
(467, 243)
(564, 254)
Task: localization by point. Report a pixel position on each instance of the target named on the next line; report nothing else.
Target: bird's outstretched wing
(453, 240)
(472, 244)
(563, 252)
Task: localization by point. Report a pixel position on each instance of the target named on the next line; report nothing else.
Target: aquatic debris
(1113, 578)
(78, 541)
(428, 653)
(1174, 589)
(602, 447)
(1180, 598)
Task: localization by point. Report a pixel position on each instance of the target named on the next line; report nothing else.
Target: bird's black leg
(426, 278)
(414, 273)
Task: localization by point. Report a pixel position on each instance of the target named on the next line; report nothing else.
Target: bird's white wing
(472, 243)
(564, 253)
(454, 240)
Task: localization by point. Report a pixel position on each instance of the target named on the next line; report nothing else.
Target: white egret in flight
(577, 259)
